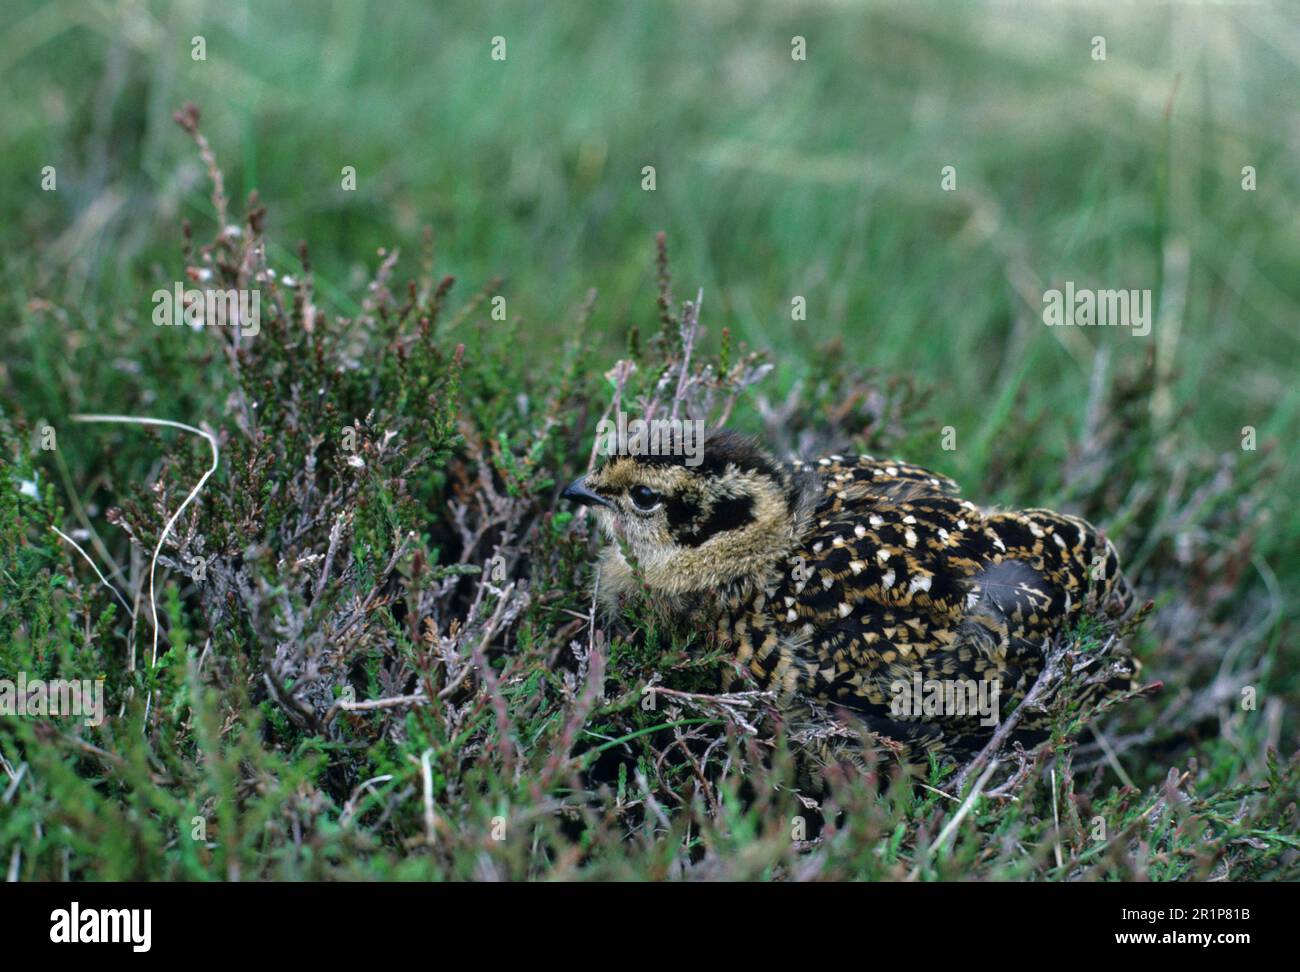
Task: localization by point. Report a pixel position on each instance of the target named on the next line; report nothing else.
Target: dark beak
(579, 492)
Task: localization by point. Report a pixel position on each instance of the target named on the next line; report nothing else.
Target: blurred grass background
(775, 179)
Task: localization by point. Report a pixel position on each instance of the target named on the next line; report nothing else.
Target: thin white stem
(153, 563)
(98, 573)
(430, 818)
(955, 821)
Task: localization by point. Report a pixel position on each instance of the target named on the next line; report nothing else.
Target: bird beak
(579, 492)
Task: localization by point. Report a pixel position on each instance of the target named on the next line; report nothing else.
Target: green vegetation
(383, 522)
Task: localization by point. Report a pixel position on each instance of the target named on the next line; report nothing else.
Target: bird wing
(900, 577)
(884, 477)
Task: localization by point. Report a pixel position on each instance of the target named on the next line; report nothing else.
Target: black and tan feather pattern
(835, 580)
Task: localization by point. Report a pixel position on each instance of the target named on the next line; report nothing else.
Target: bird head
(695, 527)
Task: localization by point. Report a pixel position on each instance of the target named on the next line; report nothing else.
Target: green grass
(775, 179)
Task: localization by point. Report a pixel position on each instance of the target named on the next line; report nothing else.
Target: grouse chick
(840, 580)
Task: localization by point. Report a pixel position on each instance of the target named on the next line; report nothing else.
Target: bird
(851, 583)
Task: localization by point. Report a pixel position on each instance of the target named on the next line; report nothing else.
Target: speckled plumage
(837, 579)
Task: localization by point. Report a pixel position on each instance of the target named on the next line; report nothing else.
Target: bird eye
(643, 497)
